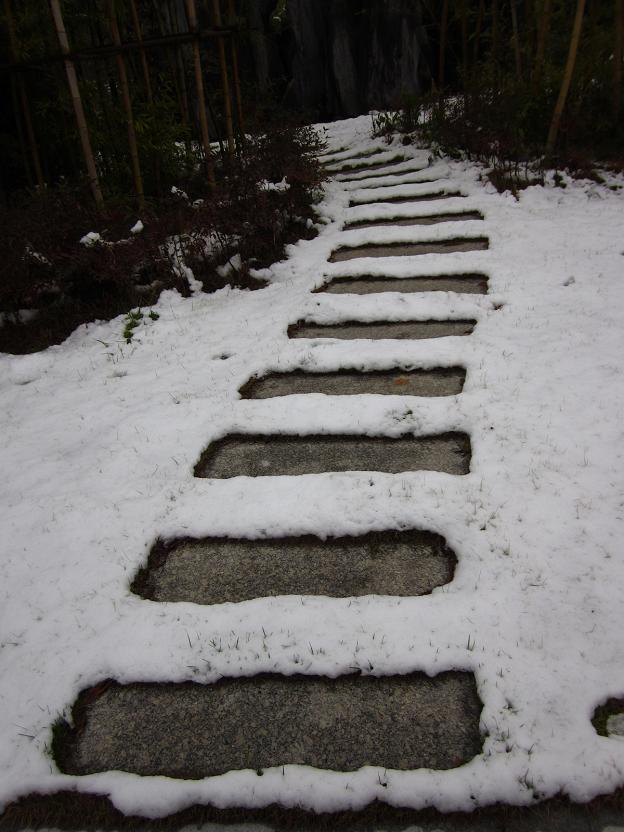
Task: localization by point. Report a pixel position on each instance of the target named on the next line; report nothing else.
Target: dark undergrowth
(51, 282)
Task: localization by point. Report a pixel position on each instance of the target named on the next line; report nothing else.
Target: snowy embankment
(99, 440)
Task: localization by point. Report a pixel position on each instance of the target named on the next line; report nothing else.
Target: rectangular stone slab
(193, 731)
(344, 177)
(409, 249)
(403, 330)
(221, 570)
(439, 382)
(432, 219)
(399, 200)
(349, 167)
(239, 455)
(464, 284)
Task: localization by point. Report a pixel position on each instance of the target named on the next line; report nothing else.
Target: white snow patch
(99, 439)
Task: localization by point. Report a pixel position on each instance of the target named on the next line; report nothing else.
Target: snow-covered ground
(99, 439)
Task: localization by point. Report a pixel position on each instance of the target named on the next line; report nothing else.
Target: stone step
(441, 381)
(240, 455)
(367, 285)
(223, 570)
(193, 731)
(326, 158)
(357, 166)
(361, 177)
(410, 249)
(403, 330)
(432, 219)
(399, 200)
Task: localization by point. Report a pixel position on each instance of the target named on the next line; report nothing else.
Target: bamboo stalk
(144, 65)
(540, 51)
(23, 98)
(516, 39)
(127, 104)
(201, 98)
(235, 73)
(617, 58)
(74, 90)
(567, 78)
(477, 40)
(227, 99)
(442, 54)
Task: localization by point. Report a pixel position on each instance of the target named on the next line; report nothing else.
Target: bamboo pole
(540, 51)
(567, 78)
(201, 98)
(442, 55)
(617, 58)
(516, 39)
(127, 105)
(235, 73)
(74, 90)
(144, 66)
(23, 98)
(477, 40)
(227, 99)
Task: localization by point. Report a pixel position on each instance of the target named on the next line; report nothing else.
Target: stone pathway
(266, 721)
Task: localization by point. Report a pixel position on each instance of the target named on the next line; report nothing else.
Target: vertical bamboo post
(442, 54)
(144, 66)
(617, 58)
(516, 40)
(74, 90)
(21, 88)
(127, 104)
(201, 99)
(235, 73)
(540, 50)
(477, 40)
(227, 100)
(567, 78)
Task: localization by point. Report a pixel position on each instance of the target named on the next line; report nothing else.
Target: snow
(91, 238)
(99, 439)
(137, 227)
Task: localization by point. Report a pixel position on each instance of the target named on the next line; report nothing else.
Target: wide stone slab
(239, 455)
(441, 381)
(351, 167)
(401, 330)
(392, 171)
(462, 283)
(193, 731)
(432, 219)
(409, 249)
(221, 570)
(399, 200)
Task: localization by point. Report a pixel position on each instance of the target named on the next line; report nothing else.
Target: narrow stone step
(240, 455)
(193, 731)
(335, 168)
(432, 219)
(364, 154)
(462, 283)
(409, 249)
(223, 570)
(402, 330)
(360, 177)
(441, 381)
(399, 200)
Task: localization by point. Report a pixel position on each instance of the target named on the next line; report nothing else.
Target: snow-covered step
(281, 454)
(221, 570)
(447, 192)
(472, 283)
(383, 163)
(408, 249)
(268, 721)
(403, 330)
(442, 381)
(429, 219)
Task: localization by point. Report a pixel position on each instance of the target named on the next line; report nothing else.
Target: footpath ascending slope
(351, 538)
